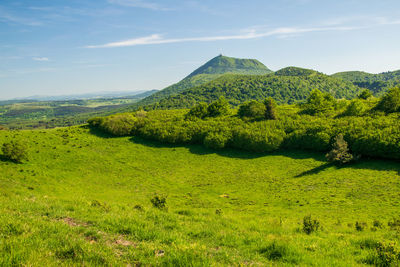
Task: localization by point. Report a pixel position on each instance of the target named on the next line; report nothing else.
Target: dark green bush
(310, 225)
(15, 151)
(390, 102)
(252, 109)
(198, 111)
(216, 140)
(218, 108)
(159, 202)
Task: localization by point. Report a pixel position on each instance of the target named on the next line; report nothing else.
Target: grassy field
(84, 199)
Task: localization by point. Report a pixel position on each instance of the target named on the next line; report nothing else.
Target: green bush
(159, 202)
(385, 254)
(218, 108)
(198, 111)
(119, 124)
(319, 103)
(355, 108)
(15, 151)
(390, 102)
(252, 109)
(216, 140)
(280, 252)
(310, 225)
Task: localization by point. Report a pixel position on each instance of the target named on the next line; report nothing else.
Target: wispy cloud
(40, 58)
(253, 34)
(139, 4)
(7, 17)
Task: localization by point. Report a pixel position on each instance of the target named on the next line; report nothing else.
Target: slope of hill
(239, 88)
(377, 83)
(213, 69)
(84, 200)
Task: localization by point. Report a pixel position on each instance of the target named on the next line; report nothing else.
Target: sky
(61, 47)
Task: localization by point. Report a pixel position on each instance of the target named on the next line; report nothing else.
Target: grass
(85, 199)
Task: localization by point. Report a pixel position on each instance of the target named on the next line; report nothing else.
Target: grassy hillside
(284, 88)
(84, 199)
(377, 83)
(210, 71)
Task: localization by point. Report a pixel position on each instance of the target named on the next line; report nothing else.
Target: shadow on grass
(315, 170)
(98, 132)
(200, 149)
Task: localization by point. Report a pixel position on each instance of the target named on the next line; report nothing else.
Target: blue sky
(53, 47)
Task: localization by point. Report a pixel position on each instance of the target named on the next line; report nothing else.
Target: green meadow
(84, 198)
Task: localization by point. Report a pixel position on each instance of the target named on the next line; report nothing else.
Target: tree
(319, 102)
(390, 102)
(365, 94)
(218, 108)
(340, 152)
(270, 109)
(198, 111)
(252, 109)
(15, 151)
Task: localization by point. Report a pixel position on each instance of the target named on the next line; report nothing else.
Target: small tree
(270, 109)
(15, 151)
(365, 94)
(340, 152)
(390, 102)
(218, 108)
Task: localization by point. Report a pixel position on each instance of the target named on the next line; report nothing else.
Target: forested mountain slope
(212, 70)
(240, 88)
(377, 83)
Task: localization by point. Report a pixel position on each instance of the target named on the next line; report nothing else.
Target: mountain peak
(222, 64)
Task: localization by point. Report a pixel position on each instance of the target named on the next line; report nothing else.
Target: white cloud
(252, 34)
(40, 58)
(138, 3)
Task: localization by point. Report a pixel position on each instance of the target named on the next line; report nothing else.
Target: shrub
(390, 102)
(340, 152)
(216, 140)
(318, 103)
(218, 108)
(365, 94)
(270, 109)
(355, 108)
(280, 252)
(198, 111)
(360, 226)
(310, 225)
(15, 151)
(386, 254)
(119, 124)
(159, 202)
(252, 109)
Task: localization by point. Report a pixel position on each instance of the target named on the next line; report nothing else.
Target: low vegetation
(86, 199)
